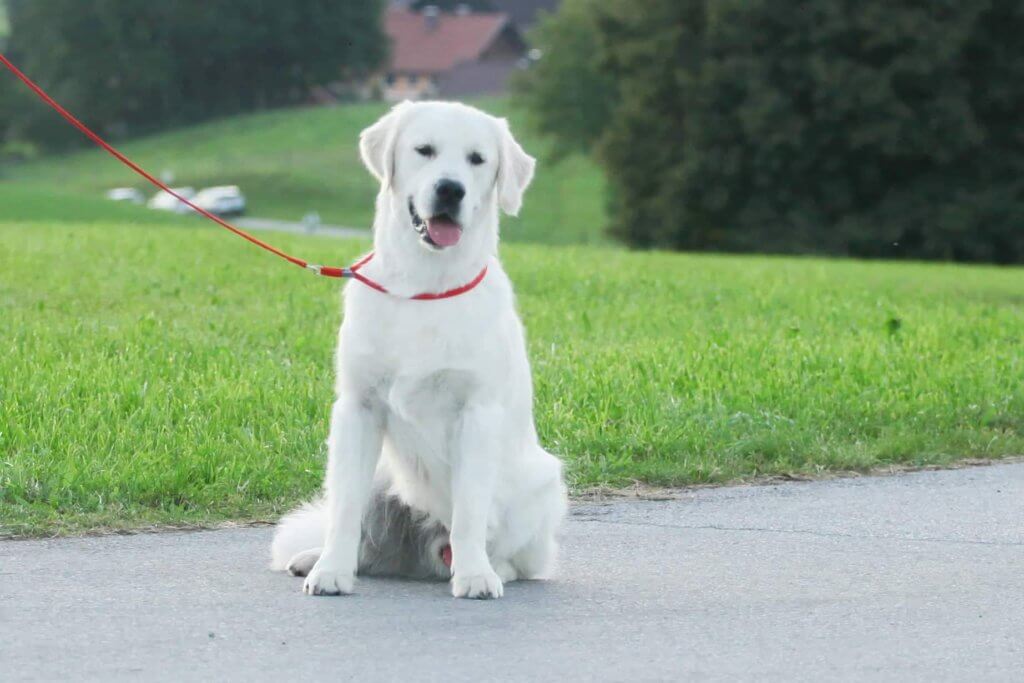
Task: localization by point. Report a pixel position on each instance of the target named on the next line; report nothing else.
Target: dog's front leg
(473, 473)
(353, 451)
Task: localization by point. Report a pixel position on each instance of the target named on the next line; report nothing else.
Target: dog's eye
(426, 151)
(475, 159)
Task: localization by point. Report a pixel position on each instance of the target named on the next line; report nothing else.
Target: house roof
(417, 46)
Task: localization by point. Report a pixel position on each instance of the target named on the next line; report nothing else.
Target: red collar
(353, 272)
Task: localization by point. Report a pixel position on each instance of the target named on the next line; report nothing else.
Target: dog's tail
(298, 531)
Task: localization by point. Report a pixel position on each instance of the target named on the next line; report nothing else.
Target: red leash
(327, 271)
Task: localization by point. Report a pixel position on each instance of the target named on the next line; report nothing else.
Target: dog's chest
(422, 419)
(434, 400)
(412, 351)
(423, 362)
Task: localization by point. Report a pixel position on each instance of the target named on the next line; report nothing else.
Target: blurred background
(874, 128)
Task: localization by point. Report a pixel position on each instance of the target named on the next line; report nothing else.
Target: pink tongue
(443, 232)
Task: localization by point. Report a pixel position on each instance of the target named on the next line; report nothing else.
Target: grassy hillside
(160, 373)
(295, 161)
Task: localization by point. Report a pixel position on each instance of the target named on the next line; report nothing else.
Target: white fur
(436, 396)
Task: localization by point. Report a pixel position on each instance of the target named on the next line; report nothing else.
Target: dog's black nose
(449, 192)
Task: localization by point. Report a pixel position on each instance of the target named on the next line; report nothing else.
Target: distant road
(916, 577)
(320, 230)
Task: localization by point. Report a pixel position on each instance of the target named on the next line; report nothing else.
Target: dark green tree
(566, 90)
(872, 128)
(127, 67)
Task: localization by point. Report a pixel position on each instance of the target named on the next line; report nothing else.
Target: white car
(163, 201)
(224, 200)
(126, 194)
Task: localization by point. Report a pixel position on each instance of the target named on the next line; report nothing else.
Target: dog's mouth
(439, 231)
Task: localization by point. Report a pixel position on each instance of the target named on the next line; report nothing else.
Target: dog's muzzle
(440, 231)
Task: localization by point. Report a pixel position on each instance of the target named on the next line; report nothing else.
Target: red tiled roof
(454, 39)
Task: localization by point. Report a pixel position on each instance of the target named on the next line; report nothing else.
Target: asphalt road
(915, 577)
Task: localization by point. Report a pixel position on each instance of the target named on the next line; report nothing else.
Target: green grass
(291, 162)
(173, 374)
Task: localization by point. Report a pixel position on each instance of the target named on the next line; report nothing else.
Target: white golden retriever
(432, 435)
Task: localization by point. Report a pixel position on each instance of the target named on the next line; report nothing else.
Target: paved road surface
(916, 577)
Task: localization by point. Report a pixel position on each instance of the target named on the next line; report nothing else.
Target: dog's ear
(377, 144)
(515, 171)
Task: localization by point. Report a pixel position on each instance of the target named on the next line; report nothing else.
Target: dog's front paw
(324, 581)
(477, 586)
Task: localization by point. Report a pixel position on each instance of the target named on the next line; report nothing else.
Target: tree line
(872, 128)
(128, 67)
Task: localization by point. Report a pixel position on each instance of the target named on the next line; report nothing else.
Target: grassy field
(172, 374)
(292, 162)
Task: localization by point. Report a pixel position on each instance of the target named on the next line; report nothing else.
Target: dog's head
(445, 169)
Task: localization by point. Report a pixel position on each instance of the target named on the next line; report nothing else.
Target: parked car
(126, 194)
(224, 200)
(168, 202)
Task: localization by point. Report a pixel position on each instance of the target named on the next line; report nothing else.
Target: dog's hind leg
(297, 532)
(537, 559)
(505, 571)
(302, 562)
